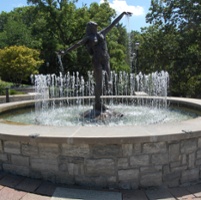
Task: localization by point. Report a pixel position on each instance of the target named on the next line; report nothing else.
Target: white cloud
(121, 5)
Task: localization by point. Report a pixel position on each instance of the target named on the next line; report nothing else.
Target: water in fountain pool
(50, 89)
(70, 116)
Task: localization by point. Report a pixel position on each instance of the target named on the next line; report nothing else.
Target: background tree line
(172, 42)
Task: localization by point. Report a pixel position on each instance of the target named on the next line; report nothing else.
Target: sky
(139, 8)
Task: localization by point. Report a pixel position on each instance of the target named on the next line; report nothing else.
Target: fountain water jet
(73, 90)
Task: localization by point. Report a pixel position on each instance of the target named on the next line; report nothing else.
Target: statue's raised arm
(75, 46)
(107, 29)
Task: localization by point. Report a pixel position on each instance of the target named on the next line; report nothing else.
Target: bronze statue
(96, 45)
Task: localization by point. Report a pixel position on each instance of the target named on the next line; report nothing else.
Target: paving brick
(29, 185)
(46, 188)
(11, 194)
(195, 190)
(181, 193)
(2, 174)
(11, 180)
(30, 196)
(136, 194)
(159, 194)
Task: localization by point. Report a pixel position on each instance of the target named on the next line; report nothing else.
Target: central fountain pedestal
(100, 113)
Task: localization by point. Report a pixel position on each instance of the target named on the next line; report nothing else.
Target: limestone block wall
(126, 165)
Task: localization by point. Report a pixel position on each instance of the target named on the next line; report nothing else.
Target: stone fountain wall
(107, 157)
(168, 162)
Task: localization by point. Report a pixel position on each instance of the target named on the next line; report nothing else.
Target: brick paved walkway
(13, 187)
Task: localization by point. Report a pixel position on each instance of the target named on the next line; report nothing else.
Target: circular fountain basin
(125, 157)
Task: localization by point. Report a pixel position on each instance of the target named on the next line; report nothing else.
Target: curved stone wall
(110, 157)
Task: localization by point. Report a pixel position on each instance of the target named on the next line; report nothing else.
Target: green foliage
(54, 25)
(3, 85)
(17, 63)
(174, 42)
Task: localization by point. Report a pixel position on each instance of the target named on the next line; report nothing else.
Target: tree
(179, 44)
(17, 63)
(16, 28)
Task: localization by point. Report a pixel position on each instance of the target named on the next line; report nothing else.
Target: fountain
(71, 95)
(123, 156)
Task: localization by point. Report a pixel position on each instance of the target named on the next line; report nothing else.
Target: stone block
(75, 169)
(112, 181)
(183, 159)
(137, 149)
(106, 150)
(128, 174)
(172, 176)
(188, 146)
(100, 167)
(174, 152)
(199, 153)
(172, 183)
(64, 178)
(166, 169)
(12, 147)
(198, 162)
(48, 175)
(1, 146)
(44, 164)
(35, 174)
(20, 160)
(191, 160)
(150, 169)
(15, 169)
(64, 162)
(3, 157)
(127, 149)
(151, 179)
(97, 181)
(29, 150)
(122, 163)
(179, 168)
(159, 159)
(199, 142)
(175, 164)
(190, 175)
(81, 150)
(48, 150)
(140, 160)
(157, 147)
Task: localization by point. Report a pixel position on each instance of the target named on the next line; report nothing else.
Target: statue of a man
(96, 45)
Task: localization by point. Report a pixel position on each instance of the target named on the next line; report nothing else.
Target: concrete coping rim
(104, 134)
